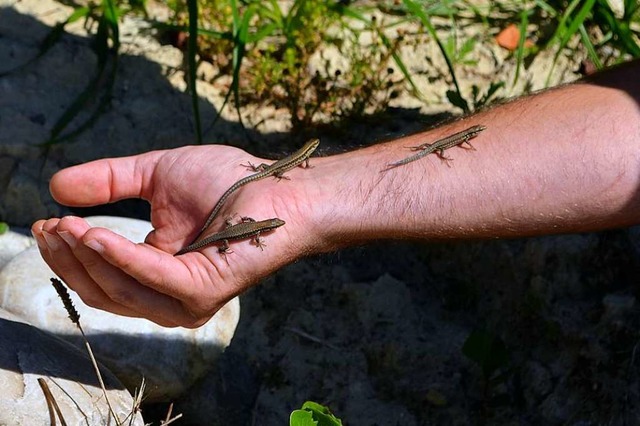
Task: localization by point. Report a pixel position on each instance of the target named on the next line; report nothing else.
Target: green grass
(278, 73)
(275, 53)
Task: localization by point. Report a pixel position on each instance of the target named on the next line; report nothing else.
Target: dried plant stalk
(74, 316)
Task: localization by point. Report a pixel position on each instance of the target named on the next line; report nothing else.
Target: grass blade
(591, 50)
(398, 60)
(524, 23)
(241, 37)
(350, 12)
(565, 33)
(624, 37)
(191, 60)
(417, 10)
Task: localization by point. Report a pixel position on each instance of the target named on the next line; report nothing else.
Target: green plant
(422, 15)
(313, 414)
(280, 55)
(324, 61)
(607, 36)
(3, 228)
(489, 353)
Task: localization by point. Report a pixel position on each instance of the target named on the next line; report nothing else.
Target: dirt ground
(376, 333)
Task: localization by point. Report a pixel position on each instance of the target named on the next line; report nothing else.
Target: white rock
(170, 360)
(12, 243)
(29, 354)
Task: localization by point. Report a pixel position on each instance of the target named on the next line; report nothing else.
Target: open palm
(145, 280)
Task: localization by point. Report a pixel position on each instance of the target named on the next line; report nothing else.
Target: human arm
(565, 160)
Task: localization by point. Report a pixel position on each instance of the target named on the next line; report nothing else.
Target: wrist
(347, 198)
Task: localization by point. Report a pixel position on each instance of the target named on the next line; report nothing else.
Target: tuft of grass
(74, 316)
(277, 55)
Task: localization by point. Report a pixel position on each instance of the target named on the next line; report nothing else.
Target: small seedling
(313, 414)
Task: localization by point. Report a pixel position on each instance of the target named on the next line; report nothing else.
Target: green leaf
(486, 350)
(80, 12)
(467, 47)
(457, 100)
(398, 60)
(302, 418)
(565, 33)
(623, 35)
(547, 8)
(241, 37)
(3, 228)
(321, 414)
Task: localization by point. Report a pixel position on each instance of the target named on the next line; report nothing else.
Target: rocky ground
(376, 333)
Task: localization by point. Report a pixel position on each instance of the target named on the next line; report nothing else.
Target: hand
(146, 280)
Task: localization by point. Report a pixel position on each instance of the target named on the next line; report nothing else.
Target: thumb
(105, 181)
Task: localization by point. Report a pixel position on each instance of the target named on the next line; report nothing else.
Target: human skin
(564, 160)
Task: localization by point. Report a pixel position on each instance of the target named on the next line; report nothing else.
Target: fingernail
(51, 240)
(95, 245)
(68, 238)
(39, 241)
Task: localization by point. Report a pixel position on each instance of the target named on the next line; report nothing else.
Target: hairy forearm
(565, 160)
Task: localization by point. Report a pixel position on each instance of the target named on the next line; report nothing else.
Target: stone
(29, 354)
(12, 243)
(170, 359)
(539, 382)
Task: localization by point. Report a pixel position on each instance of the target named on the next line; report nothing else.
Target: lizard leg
(466, 140)
(259, 168)
(447, 160)
(224, 248)
(259, 242)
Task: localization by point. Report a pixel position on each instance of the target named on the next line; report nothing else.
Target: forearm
(566, 160)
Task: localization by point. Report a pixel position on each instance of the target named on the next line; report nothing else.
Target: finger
(118, 287)
(105, 181)
(162, 272)
(46, 252)
(64, 263)
(36, 231)
(161, 279)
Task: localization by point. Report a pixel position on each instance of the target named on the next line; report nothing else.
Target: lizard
(440, 145)
(246, 228)
(276, 169)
